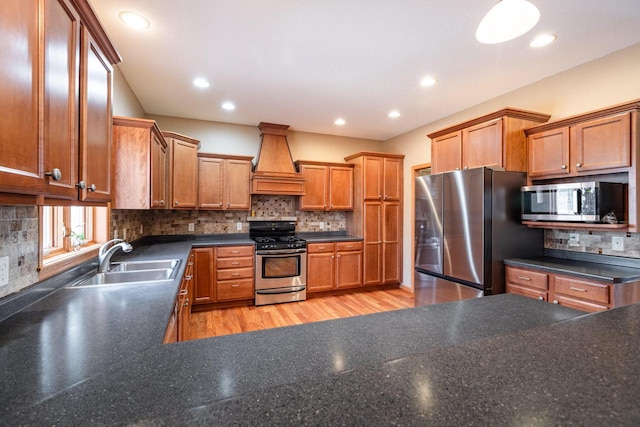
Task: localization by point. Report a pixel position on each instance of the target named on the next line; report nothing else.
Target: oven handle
(281, 252)
(281, 290)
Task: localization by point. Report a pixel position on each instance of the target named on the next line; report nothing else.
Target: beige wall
(612, 79)
(125, 102)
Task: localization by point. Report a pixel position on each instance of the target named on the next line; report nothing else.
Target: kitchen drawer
(527, 278)
(538, 294)
(579, 304)
(234, 251)
(234, 273)
(222, 263)
(592, 291)
(234, 290)
(314, 248)
(348, 246)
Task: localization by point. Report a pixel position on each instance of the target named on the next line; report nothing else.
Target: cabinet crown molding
(514, 113)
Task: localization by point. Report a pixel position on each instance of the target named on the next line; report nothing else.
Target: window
(70, 235)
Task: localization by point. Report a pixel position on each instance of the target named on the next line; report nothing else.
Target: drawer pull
(235, 263)
(235, 274)
(184, 292)
(577, 289)
(235, 285)
(188, 277)
(322, 247)
(349, 246)
(524, 278)
(235, 252)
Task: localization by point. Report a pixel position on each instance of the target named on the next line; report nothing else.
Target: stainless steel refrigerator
(468, 222)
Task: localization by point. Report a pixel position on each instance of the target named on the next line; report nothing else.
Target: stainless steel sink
(134, 272)
(146, 265)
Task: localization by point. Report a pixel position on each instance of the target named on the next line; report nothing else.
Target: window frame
(62, 255)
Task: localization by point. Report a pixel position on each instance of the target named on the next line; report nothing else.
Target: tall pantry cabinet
(377, 215)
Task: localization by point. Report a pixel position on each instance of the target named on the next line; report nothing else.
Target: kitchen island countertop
(94, 356)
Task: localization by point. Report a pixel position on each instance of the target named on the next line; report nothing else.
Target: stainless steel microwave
(576, 201)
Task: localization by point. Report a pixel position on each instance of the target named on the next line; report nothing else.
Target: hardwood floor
(236, 320)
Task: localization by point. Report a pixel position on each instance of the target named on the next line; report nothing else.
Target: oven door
(281, 269)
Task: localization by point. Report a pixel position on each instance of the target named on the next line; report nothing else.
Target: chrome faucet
(106, 252)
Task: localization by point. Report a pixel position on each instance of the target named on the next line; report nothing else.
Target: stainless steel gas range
(281, 262)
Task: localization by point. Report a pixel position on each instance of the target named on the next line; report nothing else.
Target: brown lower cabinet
(573, 292)
(334, 265)
(223, 274)
(178, 327)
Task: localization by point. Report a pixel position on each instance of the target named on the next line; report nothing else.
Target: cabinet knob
(92, 188)
(457, 169)
(466, 167)
(220, 204)
(81, 185)
(162, 202)
(175, 203)
(186, 303)
(563, 166)
(555, 301)
(540, 298)
(55, 174)
(228, 204)
(578, 165)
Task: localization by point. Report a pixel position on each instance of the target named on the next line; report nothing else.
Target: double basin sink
(134, 272)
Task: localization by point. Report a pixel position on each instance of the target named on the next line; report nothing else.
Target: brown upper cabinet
(496, 139)
(56, 142)
(183, 170)
(327, 186)
(581, 146)
(224, 182)
(139, 164)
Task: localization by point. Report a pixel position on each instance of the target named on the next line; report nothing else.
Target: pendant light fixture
(507, 20)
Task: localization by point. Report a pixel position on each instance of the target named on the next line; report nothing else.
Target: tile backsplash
(593, 242)
(19, 242)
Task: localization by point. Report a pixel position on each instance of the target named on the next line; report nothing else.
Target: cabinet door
(203, 283)
(446, 153)
(238, 184)
(22, 158)
(602, 144)
(131, 169)
(95, 121)
(61, 89)
(340, 188)
(158, 172)
(373, 169)
(320, 271)
(185, 179)
(549, 153)
(482, 145)
(315, 188)
(512, 288)
(348, 269)
(392, 179)
(391, 250)
(210, 183)
(372, 262)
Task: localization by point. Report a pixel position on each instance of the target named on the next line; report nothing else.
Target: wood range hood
(275, 172)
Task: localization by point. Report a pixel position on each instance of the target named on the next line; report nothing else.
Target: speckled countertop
(580, 268)
(94, 356)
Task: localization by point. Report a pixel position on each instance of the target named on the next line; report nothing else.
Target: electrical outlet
(617, 244)
(192, 226)
(4, 270)
(239, 226)
(321, 224)
(574, 239)
(124, 234)
(115, 234)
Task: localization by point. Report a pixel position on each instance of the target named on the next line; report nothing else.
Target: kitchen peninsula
(94, 356)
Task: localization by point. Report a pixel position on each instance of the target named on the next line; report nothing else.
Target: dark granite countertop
(94, 356)
(589, 270)
(328, 236)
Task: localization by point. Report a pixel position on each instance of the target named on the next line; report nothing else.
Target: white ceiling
(307, 62)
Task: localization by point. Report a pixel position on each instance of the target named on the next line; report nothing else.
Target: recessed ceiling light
(340, 122)
(428, 81)
(229, 106)
(134, 20)
(394, 114)
(201, 83)
(507, 20)
(543, 40)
